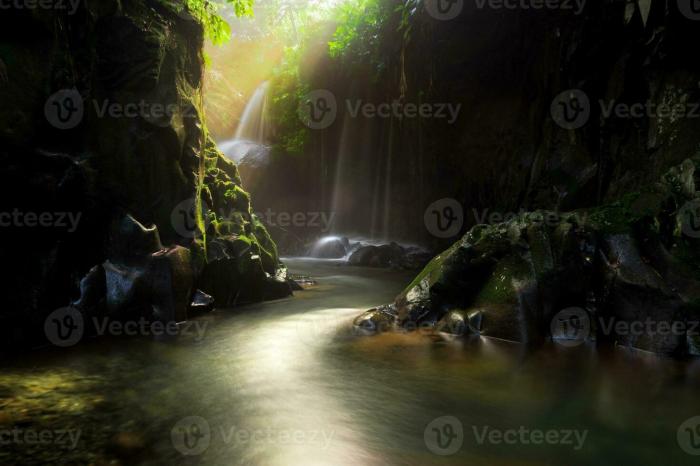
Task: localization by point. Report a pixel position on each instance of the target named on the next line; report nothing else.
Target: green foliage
(358, 33)
(207, 13)
(286, 91)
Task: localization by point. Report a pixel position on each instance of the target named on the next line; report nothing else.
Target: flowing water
(289, 383)
(253, 130)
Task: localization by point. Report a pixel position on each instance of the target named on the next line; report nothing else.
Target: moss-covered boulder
(631, 268)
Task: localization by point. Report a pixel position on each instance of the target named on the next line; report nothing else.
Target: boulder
(330, 248)
(630, 268)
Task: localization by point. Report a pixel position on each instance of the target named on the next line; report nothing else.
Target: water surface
(288, 383)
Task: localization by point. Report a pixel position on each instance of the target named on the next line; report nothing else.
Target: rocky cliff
(114, 198)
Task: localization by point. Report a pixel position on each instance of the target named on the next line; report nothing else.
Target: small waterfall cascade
(253, 130)
(253, 126)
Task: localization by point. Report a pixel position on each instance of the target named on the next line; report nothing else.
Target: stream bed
(289, 383)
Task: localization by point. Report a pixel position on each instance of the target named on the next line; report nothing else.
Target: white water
(252, 133)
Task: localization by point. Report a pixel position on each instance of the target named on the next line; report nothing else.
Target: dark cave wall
(505, 152)
(104, 167)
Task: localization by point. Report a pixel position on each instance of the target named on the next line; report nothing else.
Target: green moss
(500, 288)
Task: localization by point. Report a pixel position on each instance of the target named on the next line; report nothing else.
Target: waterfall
(253, 123)
(253, 130)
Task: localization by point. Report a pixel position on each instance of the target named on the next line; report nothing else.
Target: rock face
(101, 123)
(504, 151)
(626, 274)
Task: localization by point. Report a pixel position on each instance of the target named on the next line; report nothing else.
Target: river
(289, 383)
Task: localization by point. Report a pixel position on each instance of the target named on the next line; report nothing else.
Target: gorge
(350, 232)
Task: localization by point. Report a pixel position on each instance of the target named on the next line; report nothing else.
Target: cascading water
(250, 140)
(253, 126)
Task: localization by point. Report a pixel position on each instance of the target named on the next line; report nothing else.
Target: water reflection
(288, 383)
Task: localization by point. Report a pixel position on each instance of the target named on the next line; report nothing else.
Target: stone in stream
(629, 265)
(389, 255)
(140, 277)
(202, 302)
